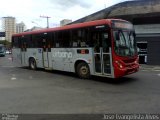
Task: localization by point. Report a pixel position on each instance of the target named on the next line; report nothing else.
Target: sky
(29, 11)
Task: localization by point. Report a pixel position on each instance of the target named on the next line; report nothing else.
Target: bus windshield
(125, 44)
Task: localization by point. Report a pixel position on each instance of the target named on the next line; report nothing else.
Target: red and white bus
(104, 47)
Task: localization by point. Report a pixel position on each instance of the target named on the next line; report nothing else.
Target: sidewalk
(145, 67)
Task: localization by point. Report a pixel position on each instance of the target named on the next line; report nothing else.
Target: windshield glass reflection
(125, 44)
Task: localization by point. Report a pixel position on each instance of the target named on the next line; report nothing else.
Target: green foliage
(6, 43)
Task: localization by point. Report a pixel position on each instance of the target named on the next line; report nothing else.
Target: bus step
(48, 69)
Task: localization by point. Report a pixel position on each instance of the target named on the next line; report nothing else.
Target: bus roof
(72, 26)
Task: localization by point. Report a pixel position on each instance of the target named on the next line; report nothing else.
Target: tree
(6, 43)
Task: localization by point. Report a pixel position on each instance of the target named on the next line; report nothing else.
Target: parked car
(8, 51)
(2, 50)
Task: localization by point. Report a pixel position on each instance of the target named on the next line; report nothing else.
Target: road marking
(13, 78)
(145, 70)
(8, 66)
(9, 58)
(154, 70)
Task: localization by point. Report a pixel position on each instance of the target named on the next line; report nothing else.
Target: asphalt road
(26, 91)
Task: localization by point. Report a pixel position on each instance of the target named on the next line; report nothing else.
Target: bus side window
(83, 44)
(83, 38)
(66, 38)
(57, 44)
(75, 39)
(15, 42)
(47, 41)
(38, 40)
(75, 44)
(59, 41)
(31, 42)
(56, 39)
(52, 40)
(80, 37)
(62, 39)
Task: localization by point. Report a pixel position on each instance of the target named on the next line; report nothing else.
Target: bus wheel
(32, 64)
(83, 70)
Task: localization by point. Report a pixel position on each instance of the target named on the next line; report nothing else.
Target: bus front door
(46, 53)
(23, 52)
(102, 55)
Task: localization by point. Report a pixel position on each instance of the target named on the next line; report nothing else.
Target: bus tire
(82, 70)
(32, 64)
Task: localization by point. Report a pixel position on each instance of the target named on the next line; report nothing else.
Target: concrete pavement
(145, 67)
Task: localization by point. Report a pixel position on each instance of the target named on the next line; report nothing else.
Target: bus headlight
(119, 64)
(136, 61)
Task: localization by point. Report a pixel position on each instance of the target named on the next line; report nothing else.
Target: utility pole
(47, 17)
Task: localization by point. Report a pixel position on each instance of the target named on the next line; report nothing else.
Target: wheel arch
(31, 57)
(32, 63)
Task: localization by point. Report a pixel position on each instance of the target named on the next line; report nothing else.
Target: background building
(145, 15)
(65, 22)
(9, 27)
(2, 37)
(20, 27)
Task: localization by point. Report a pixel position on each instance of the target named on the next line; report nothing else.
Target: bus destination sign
(122, 25)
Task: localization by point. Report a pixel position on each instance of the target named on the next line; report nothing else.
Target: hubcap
(84, 70)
